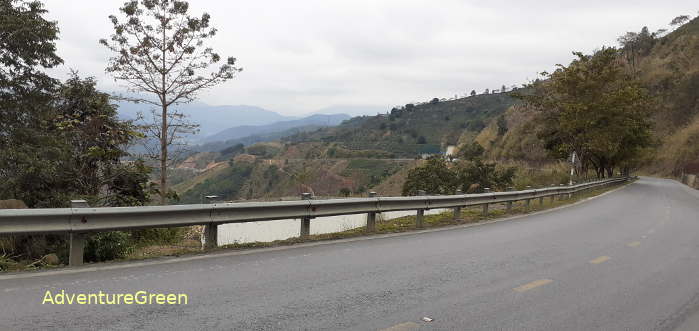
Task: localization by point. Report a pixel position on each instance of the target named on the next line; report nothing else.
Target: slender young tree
(161, 53)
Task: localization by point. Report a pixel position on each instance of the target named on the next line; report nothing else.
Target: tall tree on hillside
(473, 92)
(637, 44)
(160, 50)
(595, 108)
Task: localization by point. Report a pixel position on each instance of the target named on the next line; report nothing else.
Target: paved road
(628, 260)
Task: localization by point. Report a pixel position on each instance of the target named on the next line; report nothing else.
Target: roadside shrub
(434, 177)
(108, 246)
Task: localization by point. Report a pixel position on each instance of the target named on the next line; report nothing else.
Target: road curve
(628, 260)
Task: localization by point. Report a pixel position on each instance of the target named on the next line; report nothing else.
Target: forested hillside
(415, 129)
(670, 69)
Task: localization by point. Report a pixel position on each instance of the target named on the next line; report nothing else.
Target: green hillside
(414, 129)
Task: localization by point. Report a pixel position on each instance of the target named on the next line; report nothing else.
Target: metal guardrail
(82, 219)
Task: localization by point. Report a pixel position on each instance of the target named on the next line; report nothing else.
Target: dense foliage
(59, 141)
(595, 108)
(437, 176)
(434, 177)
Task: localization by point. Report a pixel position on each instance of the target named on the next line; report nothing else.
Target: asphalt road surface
(628, 260)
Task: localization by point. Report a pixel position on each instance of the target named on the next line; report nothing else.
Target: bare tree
(162, 56)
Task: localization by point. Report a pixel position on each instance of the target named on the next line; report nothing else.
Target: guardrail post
(77, 240)
(562, 195)
(457, 210)
(420, 212)
(211, 235)
(553, 195)
(306, 221)
(508, 205)
(371, 217)
(570, 195)
(485, 206)
(211, 229)
(528, 201)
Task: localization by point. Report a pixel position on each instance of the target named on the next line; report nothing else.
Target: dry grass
(678, 149)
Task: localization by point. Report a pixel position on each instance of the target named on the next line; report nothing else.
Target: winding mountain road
(628, 260)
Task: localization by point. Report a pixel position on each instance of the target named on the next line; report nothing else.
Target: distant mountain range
(320, 120)
(212, 119)
(215, 119)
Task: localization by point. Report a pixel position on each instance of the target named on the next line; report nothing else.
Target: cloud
(300, 56)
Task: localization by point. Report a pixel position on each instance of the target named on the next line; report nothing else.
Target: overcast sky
(300, 56)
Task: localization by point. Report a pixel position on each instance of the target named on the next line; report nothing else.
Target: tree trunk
(163, 158)
(163, 133)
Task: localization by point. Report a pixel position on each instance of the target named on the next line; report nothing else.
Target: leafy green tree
(27, 45)
(595, 108)
(160, 51)
(473, 93)
(95, 140)
(474, 176)
(434, 177)
(59, 141)
(471, 151)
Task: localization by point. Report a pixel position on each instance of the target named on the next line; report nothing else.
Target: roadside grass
(143, 252)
